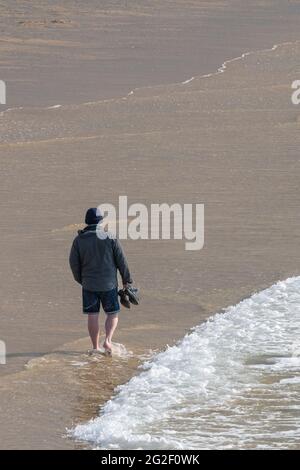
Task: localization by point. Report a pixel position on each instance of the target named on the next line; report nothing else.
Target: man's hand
(126, 284)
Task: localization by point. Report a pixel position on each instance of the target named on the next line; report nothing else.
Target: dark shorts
(92, 300)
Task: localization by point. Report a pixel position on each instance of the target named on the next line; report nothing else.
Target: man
(94, 259)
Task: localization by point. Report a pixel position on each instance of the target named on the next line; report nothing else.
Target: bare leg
(110, 326)
(94, 330)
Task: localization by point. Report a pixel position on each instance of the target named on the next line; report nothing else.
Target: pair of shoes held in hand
(129, 295)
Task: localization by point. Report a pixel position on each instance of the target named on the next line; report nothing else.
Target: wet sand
(66, 52)
(229, 141)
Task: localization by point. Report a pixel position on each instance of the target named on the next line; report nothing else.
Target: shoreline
(189, 379)
(221, 69)
(54, 32)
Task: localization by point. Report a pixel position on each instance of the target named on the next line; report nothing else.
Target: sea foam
(233, 382)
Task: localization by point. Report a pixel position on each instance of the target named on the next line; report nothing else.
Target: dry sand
(229, 141)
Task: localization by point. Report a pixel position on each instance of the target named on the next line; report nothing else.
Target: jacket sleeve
(75, 263)
(121, 262)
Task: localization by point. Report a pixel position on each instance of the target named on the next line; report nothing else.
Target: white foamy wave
(232, 383)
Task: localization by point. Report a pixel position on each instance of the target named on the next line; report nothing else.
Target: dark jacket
(94, 261)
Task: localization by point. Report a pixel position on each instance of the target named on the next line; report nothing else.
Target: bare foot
(107, 347)
(94, 351)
